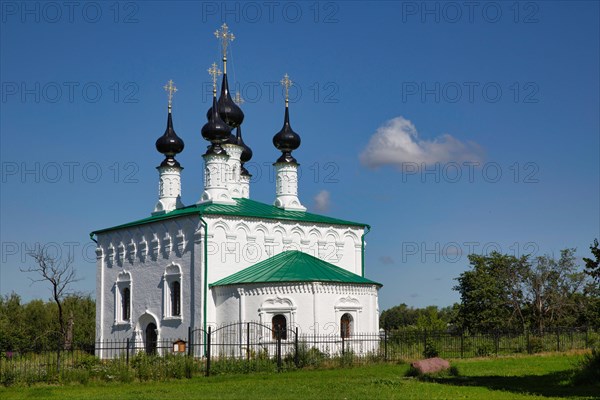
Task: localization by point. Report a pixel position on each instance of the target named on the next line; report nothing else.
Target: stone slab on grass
(431, 365)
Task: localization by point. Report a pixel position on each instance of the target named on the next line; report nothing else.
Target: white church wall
(237, 243)
(151, 254)
(315, 308)
(234, 243)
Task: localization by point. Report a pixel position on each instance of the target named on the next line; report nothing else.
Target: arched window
(123, 298)
(126, 304)
(172, 292)
(151, 338)
(346, 326)
(176, 298)
(279, 326)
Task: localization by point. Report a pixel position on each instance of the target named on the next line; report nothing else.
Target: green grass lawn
(522, 377)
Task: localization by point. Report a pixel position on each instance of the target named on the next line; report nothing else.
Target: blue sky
(448, 127)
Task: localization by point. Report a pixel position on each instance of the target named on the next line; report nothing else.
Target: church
(228, 258)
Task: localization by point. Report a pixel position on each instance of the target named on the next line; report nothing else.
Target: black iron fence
(246, 347)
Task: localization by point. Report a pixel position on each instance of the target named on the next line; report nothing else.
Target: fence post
(527, 340)
(497, 341)
(279, 332)
(127, 351)
(462, 343)
(385, 342)
(343, 345)
(557, 339)
(296, 355)
(189, 343)
(208, 352)
(248, 342)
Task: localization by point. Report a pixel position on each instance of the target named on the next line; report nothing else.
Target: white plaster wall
(145, 252)
(235, 244)
(315, 308)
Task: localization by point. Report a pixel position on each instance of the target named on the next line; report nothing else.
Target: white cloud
(322, 200)
(397, 142)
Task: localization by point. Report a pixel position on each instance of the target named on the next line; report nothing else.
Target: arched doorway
(346, 326)
(279, 326)
(151, 338)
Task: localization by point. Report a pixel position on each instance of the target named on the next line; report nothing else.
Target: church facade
(230, 259)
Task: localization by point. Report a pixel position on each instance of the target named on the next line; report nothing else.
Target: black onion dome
(169, 144)
(247, 152)
(215, 130)
(244, 171)
(286, 140)
(231, 139)
(228, 110)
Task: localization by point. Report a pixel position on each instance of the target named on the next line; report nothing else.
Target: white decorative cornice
(154, 246)
(120, 253)
(166, 245)
(131, 247)
(180, 241)
(143, 249)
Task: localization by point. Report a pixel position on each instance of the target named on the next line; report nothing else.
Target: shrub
(536, 344)
(484, 350)
(593, 340)
(588, 370)
(346, 359)
(312, 357)
(80, 375)
(8, 376)
(430, 350)
(86, 361)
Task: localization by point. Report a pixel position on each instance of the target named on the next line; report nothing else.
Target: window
(176, 298)
(125, 304)
(123, 298)
(172, 292)
(346, 326)
(279, 327)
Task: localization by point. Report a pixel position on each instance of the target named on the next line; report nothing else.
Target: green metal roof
(242, 208)
(293, 266)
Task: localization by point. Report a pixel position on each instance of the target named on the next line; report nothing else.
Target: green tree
(12, 323)
(40, 325)
(491, 293)
(81, 310)
(553, 287)
(399, 316)
(592, 266)
(429, 319)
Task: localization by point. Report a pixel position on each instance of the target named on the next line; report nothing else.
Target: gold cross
(225, 37)
(287, 82)
(214, 71)
(238, 99)
(170, 89)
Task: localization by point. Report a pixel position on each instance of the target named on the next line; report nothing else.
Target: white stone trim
(286, 187)
(172, 274)
(169, 189)
(123, 282)
(349, 305)
(215, 180)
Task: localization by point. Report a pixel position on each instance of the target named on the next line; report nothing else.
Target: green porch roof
(242, 208)
(293, 266)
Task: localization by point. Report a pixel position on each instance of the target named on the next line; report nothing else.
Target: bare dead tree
(60, 274)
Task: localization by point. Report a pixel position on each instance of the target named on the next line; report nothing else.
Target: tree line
(501, 292)
(35, 326)
(498, 292)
